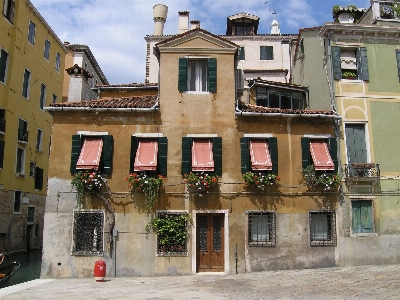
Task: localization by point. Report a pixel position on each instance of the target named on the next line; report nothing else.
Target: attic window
(243, 30)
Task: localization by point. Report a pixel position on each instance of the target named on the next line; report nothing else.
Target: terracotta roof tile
(126, 102)
(122, 85)
(261, 109)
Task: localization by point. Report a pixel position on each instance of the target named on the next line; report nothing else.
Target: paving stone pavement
(366, 282)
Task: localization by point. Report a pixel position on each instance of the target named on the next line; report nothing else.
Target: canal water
(29, 269)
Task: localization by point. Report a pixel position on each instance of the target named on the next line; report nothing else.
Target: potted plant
(200, 182)
(327, 180)
(172, 231)
(349, 75)
(86, 182)
(259, 179)
(150, 185)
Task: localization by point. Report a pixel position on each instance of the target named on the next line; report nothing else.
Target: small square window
(26, 84)
(46, 49)
(39, 138)
(58, 62)
(31, 32)
(88, 233)
(322, 228)
(8, 10)
(17, 201)
(266, 53)
(262, 229)
(3, 65)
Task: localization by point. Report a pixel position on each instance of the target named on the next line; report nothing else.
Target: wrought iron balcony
(362, 172)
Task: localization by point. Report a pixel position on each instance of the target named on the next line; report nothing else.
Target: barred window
(322, 228)
(262, 228)
(88, 233)
(168, 244)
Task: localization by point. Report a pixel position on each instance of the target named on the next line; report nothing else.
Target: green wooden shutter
(398, 62)
(134, 146)
(212, 75)
(305, 152)
(107, 154)
(186, 155)
(217, 153)
(273, 152)
(270, 52)
(2, 144)
(332, 143)
(362, 63)
(162, 156)
(263, 52)
(336, 63)
(361, 216)
(242, 55)
(182, 74)
(245, 155)
(76, 150)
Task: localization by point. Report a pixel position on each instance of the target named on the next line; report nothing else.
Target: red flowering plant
(200, 182)
(85, 182)
(259, 179)
(148, 184)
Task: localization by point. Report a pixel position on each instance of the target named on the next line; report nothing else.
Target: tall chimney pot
(160, 12)
(183, 21)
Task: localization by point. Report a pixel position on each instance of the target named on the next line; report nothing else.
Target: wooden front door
(210, 242)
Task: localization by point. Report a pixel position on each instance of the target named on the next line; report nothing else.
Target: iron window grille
(322, 228)
(262, 228)
(88, 233)
(174, 247)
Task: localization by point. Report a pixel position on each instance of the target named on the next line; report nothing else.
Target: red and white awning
(146, 155)
(260, 157)
(89, 158)
(320, 155)
(202, 155)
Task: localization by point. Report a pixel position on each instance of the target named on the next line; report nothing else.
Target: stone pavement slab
(366, 282)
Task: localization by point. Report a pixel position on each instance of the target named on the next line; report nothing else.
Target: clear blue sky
(115, 29)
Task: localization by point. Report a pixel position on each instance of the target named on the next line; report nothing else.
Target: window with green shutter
(162, 146)
(307, 157)
(187, 143)
(246, 155)
(106, 159)
(361, 214)
(197, 75)
(350, 63)
(266, 53)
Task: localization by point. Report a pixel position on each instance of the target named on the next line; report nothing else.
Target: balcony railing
(362, 172)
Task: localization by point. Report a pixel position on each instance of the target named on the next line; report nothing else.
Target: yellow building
(31, 77)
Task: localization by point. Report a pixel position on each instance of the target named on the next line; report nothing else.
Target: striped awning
(320, 155)
(260, 157)
(202, 155)
(89, 158)
(146, 155)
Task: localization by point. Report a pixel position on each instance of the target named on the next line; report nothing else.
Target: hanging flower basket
(260, 180)
(328, 181)
(150, 185)
(86, 182)
(200, 183)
